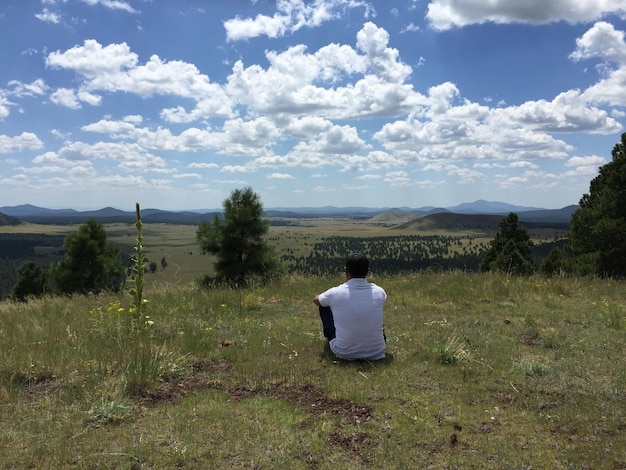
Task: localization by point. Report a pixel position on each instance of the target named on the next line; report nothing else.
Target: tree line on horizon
(595, 246)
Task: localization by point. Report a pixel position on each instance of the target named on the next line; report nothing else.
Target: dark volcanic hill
(450, 221)
(8, 220)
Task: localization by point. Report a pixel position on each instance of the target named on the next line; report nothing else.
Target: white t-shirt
(357, 307)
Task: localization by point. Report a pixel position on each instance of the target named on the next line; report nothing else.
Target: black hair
(357, 265)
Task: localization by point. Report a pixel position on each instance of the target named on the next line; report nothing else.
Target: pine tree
(597, 238)
(509, 251)
(91, 263)
(31, 281)
(238, 241)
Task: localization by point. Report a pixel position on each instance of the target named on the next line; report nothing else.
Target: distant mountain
(34, 214)
(489, 207)
(329, 210)
(28, 210)
(477, 207)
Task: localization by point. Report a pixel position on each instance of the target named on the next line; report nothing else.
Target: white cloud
(92, 60)
(238, 168)
(15, 180)
(306, 127)
(568, 112)
(112, 4)
(445, 14)
(296, 111)
(291, 16)
(114, 68)
(383, 60)
(586, 163)
(24, 141)
(202, 165)
(128, 156)
(514, 181)
(379, 91)
(410, 28)
(323, 189)
(48, 16)
(65, 97)
(35, 88)
(607, 43)
(117, 129)
(280, 176)
(186, 175)
(89, 98)
(4, 106)
(232, 182)
(602, 40)
(397, 179)
(377, 160)
(464, 175)
(131, 181)
(523, 164)
(60, 135)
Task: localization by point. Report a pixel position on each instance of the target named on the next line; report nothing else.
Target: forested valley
(399, 254)
(316, 255)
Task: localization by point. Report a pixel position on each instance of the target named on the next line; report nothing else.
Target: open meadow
(178, 259)
(483, 371)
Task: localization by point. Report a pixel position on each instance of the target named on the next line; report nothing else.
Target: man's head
(357, 265)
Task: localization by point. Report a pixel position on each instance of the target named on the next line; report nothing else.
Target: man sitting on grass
(352, 314)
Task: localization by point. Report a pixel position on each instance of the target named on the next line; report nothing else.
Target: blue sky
(383, 103)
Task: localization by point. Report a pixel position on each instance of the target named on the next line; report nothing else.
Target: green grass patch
(483, 371)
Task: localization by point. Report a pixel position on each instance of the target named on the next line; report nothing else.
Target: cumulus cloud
(65, 97)
(602, 40)
(116, 129)
(114, 68)
(607, 43)
(568, 112)
(24, 141)
(291, 16)
(92, 60)
(373, 81)
(586, 161)
(446, 14)
(129, 156)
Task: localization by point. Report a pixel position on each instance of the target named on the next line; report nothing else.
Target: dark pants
(328, 322)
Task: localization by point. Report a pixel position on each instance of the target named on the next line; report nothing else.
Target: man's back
(357, 307)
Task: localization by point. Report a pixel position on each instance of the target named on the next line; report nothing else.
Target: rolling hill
(451, 221)
(8, 220)
(383, 216)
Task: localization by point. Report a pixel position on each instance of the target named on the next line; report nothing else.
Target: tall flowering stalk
(144, 363)
(138, 281)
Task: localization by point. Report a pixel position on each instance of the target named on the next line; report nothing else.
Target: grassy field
(177, 245)
(484, 371)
